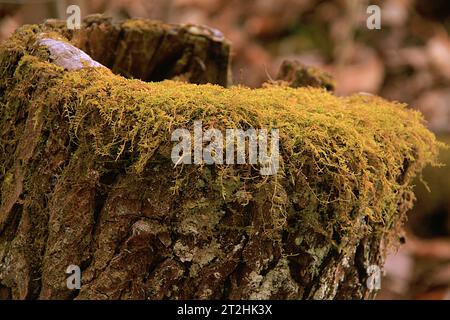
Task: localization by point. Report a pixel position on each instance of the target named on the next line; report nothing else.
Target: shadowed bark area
(87, 178)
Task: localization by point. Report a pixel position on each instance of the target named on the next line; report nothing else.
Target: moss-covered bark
(86, 179)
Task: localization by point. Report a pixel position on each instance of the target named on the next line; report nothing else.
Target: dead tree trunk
(152, 51)
(87, 177)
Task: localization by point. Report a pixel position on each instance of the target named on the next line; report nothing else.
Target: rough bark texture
(153, 51)
(296, 75)
(157, 232)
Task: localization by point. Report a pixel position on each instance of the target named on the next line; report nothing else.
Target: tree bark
(153, 51)
(78, 187)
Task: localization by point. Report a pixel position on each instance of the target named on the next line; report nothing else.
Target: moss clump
(346, 163)
(343, 159)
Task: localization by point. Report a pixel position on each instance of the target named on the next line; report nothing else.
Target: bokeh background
(407, 60)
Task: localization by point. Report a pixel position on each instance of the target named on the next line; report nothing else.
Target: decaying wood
(296, 75)
(132, 235)
(153, 51)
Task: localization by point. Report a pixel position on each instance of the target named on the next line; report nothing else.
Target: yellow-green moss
(355, 155)
(343, 159)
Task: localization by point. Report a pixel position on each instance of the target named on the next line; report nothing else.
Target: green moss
(343, 159)
(342, 155)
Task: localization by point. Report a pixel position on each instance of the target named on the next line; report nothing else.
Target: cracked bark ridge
(130, 235)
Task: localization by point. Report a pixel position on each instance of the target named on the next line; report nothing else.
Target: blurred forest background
(407, 60)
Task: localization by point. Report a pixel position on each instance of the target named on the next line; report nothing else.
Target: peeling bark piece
(67, 56)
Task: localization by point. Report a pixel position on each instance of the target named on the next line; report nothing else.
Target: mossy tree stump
(86, 175)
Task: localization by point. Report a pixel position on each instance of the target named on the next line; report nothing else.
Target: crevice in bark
(360, 263)
(106, 182)
(5, 292)
(12, 223)
(326, 263)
